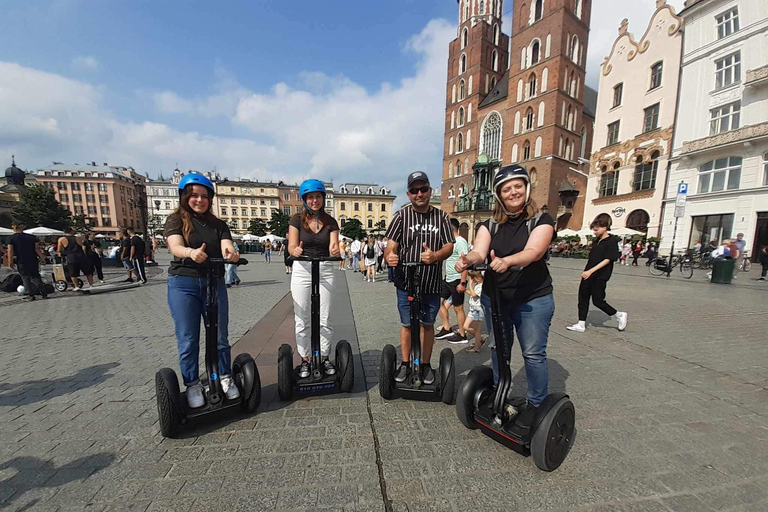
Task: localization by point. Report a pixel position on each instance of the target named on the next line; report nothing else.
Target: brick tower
(545, 104)
(477, 59)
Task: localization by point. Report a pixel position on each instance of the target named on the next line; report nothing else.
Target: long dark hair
(307, 216)
(186, 213)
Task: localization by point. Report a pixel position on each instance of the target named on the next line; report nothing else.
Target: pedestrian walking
(93, 251)
(650, 254)
(195, 234)
(370, 260)
(71, 251)
(594, 279)
(741, 245)
(29, 257)
(267, 251)
(288, 261)
(355, 249)
(342, 253)
(125, 255)
(764, 262)
(636, 252)
(138, 250)
(453, 288)
(475, 318)
(380, 254)
(230, 271)
(313, 233)
(626, 252)
(418, 232)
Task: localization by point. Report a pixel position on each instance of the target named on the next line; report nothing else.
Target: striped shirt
(410, 229)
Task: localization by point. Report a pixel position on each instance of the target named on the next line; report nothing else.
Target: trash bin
(722, 270)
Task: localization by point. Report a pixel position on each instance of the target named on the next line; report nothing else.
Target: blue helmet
(196, 179)
(311, 185)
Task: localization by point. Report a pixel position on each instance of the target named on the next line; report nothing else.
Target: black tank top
(73, 250)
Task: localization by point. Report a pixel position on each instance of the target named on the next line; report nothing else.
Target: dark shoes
(328, 367)
(402, 373)
(525, 417)
(443, 334)
(428, 375)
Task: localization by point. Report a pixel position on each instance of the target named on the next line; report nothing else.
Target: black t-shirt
(411, 229)
(73, 251)
(138, 243)
(534, 280)
(604, 249)
(125, 249)
(316, 245)
(209, 231)
(24, 249)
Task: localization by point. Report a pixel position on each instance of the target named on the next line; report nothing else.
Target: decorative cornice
(756, 75)
(643, 194)
(742, 134)
(630, 149)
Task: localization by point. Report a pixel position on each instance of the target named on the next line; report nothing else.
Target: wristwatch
(463, 283)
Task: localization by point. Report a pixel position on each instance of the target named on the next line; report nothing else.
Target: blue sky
(265, 89)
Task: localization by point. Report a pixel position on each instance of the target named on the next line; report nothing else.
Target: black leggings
(594, 289)
(95, 260)
(765, 269)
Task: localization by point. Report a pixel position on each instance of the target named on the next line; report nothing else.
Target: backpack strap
(533, 221)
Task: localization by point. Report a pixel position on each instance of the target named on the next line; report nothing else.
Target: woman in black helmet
(518, 236)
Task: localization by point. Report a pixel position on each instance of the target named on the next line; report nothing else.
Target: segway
(413, 387)
(288, 380)
(172, 405)
(494, 411)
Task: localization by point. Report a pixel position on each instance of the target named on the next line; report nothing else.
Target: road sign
(682, 188)
(682, 195)
(679, 211)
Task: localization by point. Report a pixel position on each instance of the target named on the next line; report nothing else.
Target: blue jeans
(230, 276)
(355, 262)
(186, 299)
(530, 321)
(430, 305)
(267, 255)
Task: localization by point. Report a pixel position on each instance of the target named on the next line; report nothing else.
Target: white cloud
(89, 62)
(604, 25)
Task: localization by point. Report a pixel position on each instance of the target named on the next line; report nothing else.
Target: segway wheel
(246, 376)
(345, 366)
(61, 286)
(478, 379)
(168, 398)
(387, 372)
(447, 376)
(552, 440)
(285, 372)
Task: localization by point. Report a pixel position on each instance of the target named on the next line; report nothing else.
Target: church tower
(545, 125)
(477, 59)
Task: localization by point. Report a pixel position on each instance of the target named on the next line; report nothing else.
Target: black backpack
(493, 227)
(370, 253)
(10, 283)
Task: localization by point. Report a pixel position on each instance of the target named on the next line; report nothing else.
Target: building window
(90, 198)
(464, 38)
(263, 212)
(262, 202)
(651, 118)
(462, 90)
(496, 35)
(618, 90)
(253, 200)
(765, 169)
(462, 64)
(656, 71)
(383, 207)
(495, 60)
(357, 207)
(461, 116)
(75, 186)
(532, 86)
(538, 10)
(102, 187)
(105, 210)
(613, 133)
(342, 206)
(78, 198)
(106, 222)
(609, 181)
(451, 193)
(645, 173)
(728, 70)
(727, 23)
(104, 199)
(235, 224)
(242, 200)
(720, 174)
(458, 168)
(481, 9)
(708, 227)
(460, 143)
(370, 207)
(575, 49)
(529, 119)
(287, 197)
(89, 187)
(725, 118)
(526, 151)
(492, 136)
(91, 210)
(287, 210)
(535, 52)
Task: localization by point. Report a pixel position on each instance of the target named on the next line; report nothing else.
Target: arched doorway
(464, 230)
(638, 220)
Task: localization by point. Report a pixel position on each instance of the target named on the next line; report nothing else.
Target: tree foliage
(353, 228)
(79, 224)
(38, 207)
(257, 227)
(278, 224)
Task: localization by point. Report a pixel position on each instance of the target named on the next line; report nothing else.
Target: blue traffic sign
(682, 188)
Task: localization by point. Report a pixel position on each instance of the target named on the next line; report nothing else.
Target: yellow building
(239, 201)
(367, 202)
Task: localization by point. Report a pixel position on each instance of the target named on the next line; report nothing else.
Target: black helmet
(507, 173)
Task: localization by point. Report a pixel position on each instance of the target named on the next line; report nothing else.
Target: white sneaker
(622, 318)
(195, 397)
(576, 327)
(101, 281)
(230, 388)
(76, 289)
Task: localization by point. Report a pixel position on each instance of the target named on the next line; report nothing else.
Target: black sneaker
(443, 334)
(525, 417)
(28, 298)
(304, 370)
(129, 280)
(402, 373)
(328, 367)
(457, 339)
(429, 375)
(761, 279)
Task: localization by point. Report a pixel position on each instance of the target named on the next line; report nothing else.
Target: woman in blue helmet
(195, 234)
(312, 233)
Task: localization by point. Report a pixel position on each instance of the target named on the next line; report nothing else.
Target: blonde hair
(501, 217)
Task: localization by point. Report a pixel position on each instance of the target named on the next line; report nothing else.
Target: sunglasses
(415, 191)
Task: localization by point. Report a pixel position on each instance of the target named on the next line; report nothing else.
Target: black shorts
(81, 265)
(449, 290)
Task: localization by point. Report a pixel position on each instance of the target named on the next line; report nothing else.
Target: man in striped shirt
(418, 233)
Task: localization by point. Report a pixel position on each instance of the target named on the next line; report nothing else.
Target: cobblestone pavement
(670, 412)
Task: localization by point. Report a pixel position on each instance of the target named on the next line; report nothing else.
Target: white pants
(301, 289)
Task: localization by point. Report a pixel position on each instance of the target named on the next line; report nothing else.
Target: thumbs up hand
(199, 255)
(499, 265)
(298, 251)
(462, 264)
(428, 256)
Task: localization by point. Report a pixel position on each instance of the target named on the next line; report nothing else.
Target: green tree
(79, 224)
(155, 224)
(258, 227)
(353, 228)
(6, 220)
(278, 224)
(38, 207)
(379, 228)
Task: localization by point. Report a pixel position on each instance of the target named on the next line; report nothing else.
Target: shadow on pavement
(557, 377)
(254, 283)
(33, 391)
(33, 473)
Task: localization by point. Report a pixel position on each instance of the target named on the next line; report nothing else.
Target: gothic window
(453, 94)
(534, 177)
(526, 151)
(496, 35)
(492, 136)
(460, 143)
(466, 10)
(575, 48)
(493, 82)
(529, 119)
(535, 52)
(462, 63)
(450, 146)
(495, 60)
(469, 89)
(464, 38)
(567, 149)
(458, 167)
(514, 154)
(450, 171)
(532, 85)
(453, 120)
(481, 9)
(461, 116)
(537, 148)
(538, 10)
(583, 152)
(451, 193)
(462, 91)
(541, 114)
(577, 10)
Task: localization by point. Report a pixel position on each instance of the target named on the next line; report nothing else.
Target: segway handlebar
(481, 267)
(221, 261)
(417, 264)
(321, 258)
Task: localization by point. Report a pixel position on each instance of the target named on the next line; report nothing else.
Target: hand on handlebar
(231, 255)
(498, 265)
(428, 256)
(392, 259)
(334, 250)
(299, 250)
(198, 255)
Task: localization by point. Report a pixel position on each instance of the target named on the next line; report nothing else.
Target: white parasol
(43, 231)
(5, 231)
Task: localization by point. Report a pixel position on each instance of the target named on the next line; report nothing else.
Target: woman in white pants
(312, 233)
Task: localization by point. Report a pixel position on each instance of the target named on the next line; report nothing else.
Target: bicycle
(660, 266)
(746, 264)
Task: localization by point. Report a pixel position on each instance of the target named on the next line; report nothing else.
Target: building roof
(590, 102)
(244, 182)
(498, 93)
(13, 174)
(566, 187)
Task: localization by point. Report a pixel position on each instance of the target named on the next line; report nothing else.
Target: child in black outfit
(605, 250)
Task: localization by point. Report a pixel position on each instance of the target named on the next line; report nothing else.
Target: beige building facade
(239, 200)
(634, 124)
(367, 202)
